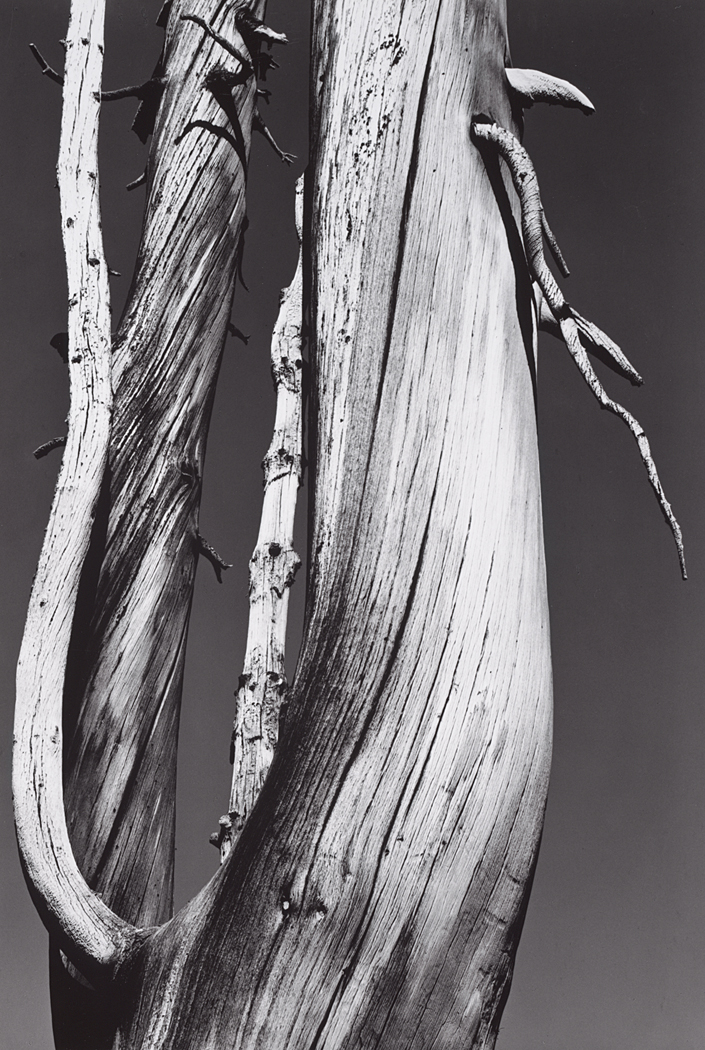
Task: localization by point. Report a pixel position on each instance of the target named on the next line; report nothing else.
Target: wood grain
(376, 894)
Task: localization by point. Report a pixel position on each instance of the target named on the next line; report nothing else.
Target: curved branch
(92, 936)
(127, 673)
(533, 230)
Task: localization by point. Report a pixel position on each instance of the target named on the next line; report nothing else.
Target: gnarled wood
(125, 670)
(166, 357)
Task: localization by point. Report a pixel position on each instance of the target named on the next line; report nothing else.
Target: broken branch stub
(273, 566)
(531, 85)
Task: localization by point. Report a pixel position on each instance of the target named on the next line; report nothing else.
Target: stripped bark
(273, 565)
(166, 357)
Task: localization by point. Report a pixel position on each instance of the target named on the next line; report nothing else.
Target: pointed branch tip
(139, 181)
(531, 85)
(553, 246)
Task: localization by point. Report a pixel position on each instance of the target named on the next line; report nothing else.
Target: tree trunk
(376, 894)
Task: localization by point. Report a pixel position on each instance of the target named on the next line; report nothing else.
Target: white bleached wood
(594, 336)
(166, 357)
(124, 673)
(273, 566)
(87, 930)
(531, 85)
(376, 894)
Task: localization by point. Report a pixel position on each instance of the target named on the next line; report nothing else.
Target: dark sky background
(613, 953)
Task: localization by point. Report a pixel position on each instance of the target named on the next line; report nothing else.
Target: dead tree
(382, 834)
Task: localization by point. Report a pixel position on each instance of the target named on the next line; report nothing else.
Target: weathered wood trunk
(376, 894)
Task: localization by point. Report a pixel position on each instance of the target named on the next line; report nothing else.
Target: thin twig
(139, 181)
(47, 70)
(554, 247)
(141, 91)
(153, 85)
(258, 124)
(593, 334)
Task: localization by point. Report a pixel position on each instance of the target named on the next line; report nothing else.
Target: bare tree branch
(531, 85)
(49, 446)
(533, 228)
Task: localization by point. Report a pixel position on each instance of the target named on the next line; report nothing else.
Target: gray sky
(613, 953)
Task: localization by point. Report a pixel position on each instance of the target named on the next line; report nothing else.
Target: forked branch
(595, 338)
(534, 230)
(272, 569)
